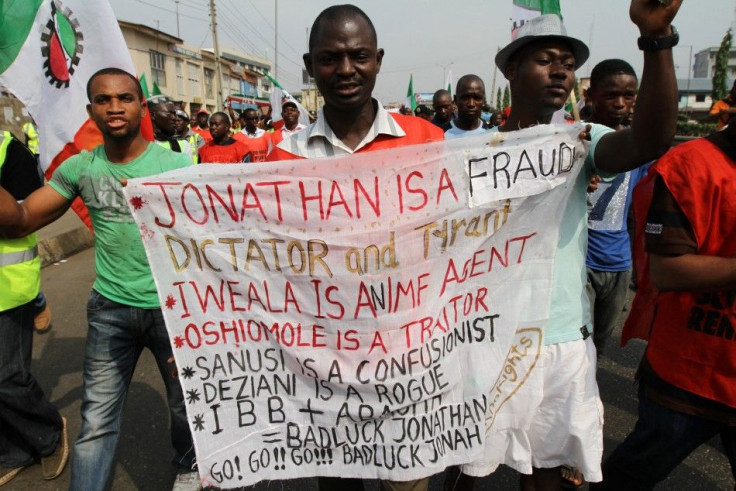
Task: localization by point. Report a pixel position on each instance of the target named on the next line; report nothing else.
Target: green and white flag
(48, 51)
(524, 10)
(448, 81)
(279, 95)
(411, 101)
(144, 86)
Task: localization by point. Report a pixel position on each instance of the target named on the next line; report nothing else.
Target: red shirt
(232, 152)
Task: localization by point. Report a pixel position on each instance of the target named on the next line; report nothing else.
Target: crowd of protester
(685, 220)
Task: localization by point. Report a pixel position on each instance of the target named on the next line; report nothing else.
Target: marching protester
(165, 121)
(344, 60)
(469, 96)
(223, 148)
(564, 426)
(200, 125)
(423, 111)
(444, 110)
(290, 114)
(31, 428)
(123, 311)
(185, 132)
(612, 93)
(258, 139)
(686, 386)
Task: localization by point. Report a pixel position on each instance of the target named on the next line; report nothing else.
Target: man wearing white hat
(564, 425)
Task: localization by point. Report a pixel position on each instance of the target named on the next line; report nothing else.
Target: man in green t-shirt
(123, 311)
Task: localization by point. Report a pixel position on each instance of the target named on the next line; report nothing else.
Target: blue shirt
(455, 132)
(608, 207)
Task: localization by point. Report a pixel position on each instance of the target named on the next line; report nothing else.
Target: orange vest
(259, 147)
(692, 344)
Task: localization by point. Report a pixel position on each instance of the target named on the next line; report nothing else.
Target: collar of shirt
(259, 132)
(383, 124)
(297, 128)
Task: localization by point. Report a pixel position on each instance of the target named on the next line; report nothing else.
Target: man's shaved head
(339, 13)
(440, 94)
(466, 80)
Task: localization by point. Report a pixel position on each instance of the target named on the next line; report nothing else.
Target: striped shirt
(318, 139)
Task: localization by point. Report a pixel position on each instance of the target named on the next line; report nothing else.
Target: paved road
(144, 452)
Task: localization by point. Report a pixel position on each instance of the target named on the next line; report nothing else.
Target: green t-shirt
(123, 273)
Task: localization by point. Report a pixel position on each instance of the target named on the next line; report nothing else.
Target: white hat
(548, 26)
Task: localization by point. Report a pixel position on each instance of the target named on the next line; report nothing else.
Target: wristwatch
(654, 44)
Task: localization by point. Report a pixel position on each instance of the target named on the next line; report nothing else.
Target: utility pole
(218, 68)
(276, 38)
(177, 19)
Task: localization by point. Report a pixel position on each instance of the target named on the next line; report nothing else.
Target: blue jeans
(661, 439)
(117, 335)
(30, 426)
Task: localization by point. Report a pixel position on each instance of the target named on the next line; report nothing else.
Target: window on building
(158, 68)
(179, 76)
(699, 97)
(193, 79)
(209, 80)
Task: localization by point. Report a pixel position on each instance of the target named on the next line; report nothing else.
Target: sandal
(572, 478)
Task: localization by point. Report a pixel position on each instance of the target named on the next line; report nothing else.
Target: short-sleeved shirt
(570, 309)
(231, 152)
(454, 132)
(123, 273)
(609, 248)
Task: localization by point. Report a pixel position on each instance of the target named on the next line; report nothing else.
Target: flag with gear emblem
(48, 51)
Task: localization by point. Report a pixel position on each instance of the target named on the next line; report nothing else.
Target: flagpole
(218, 68)
(493, 84)
(276, 38)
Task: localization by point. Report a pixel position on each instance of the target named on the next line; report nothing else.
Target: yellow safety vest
(193, 153)
(30, 130)
(192, 139)
(20, 266)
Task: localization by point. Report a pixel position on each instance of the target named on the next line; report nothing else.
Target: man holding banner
(351, 121)
(123, 310)
(564, 425)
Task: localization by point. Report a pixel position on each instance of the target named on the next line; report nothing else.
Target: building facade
(705, 62)
(187, 74)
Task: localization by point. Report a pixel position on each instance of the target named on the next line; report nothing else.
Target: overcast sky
(425, 38)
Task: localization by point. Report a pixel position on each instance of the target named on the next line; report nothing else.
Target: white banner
(361, 316)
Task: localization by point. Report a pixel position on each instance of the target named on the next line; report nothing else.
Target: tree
(499, 99)
(720, 71)
(506, 97)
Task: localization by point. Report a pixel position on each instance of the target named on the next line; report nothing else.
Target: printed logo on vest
(653, 228)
